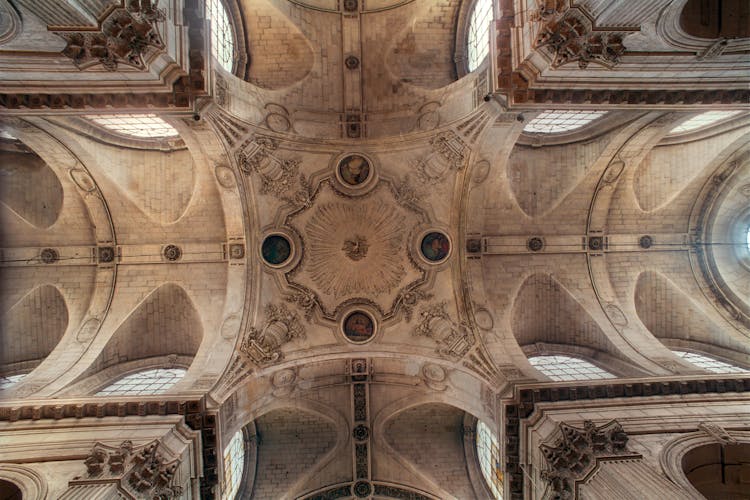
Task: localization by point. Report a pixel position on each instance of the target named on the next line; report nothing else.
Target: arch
(31, 328)
(546, 319)
(31, 484)
(679, 322)
(725, 19)
(166, 323)
(314, 435)
(675, 457)
(22, 172)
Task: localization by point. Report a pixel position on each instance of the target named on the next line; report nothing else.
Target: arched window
(147, 382)
(145, 125)
(553, 121)
(488, 452)
(709, 364)
(222, 36)
(703, 120)
(10, 380)
(234, 461)
(748, 237)
(478, 40)
(560, 368)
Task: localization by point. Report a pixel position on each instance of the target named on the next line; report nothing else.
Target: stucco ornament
(263, 345)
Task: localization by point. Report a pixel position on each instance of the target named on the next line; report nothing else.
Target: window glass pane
(147, 382)
(488, 452)
(222, 38)
(234, 461)
(709, 364)
(10, 380)
(552, 121)
(561, 368)
(136, 125)
(479, 38)
(703, 120)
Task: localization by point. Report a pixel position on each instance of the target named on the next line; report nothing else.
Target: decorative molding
(263, 346)
(142, 471)
(717, 432)
(125, 35)
(578, 453)
(258, 156)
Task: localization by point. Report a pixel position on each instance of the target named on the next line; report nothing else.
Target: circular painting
(435, 246)
(276, 249)
(359, 327)
(354, 169)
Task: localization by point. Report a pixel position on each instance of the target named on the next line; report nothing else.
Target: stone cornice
(195, 412)
(526, 398)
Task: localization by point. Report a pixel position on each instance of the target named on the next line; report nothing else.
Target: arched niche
(717, 470)
(716, 19)
(9, 491)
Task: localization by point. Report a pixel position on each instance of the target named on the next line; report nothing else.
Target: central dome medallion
(356, 249)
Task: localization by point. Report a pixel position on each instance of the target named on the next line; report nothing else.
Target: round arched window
(478, 40)
(146, 125)
(553, 121)
(488, 453)
(10, 380)
(234, 461)
(703, 120)
(560, 368)
(222, 36)
(709, 364)
(147, 382)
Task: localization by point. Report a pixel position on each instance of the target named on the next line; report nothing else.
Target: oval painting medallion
(276, 249)
(359, 327)
(354, 169)
(435, 246)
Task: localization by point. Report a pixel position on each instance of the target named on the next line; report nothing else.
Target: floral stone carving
(125, 36)
(578, 452)
(263, 345)
(144, 471)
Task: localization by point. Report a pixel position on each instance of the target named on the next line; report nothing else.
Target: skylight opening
(234, 460)
(488, 453)
(10, 380)
(703, 120)
(709, 364)
(478, 42)
(135, 125)
(147, 382)
(553, 121)
(222, 35)
(562, 368)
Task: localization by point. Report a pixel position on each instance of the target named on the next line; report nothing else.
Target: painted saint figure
(358, 327)
(435, 246)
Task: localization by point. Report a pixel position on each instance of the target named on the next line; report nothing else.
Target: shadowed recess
(541, 177)
(544, 311)
(292, 442)
(31, 328)
(280, 52)
(431, 437)
(28, 186)
(163, 324)
(671, 315)
(422, 54)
